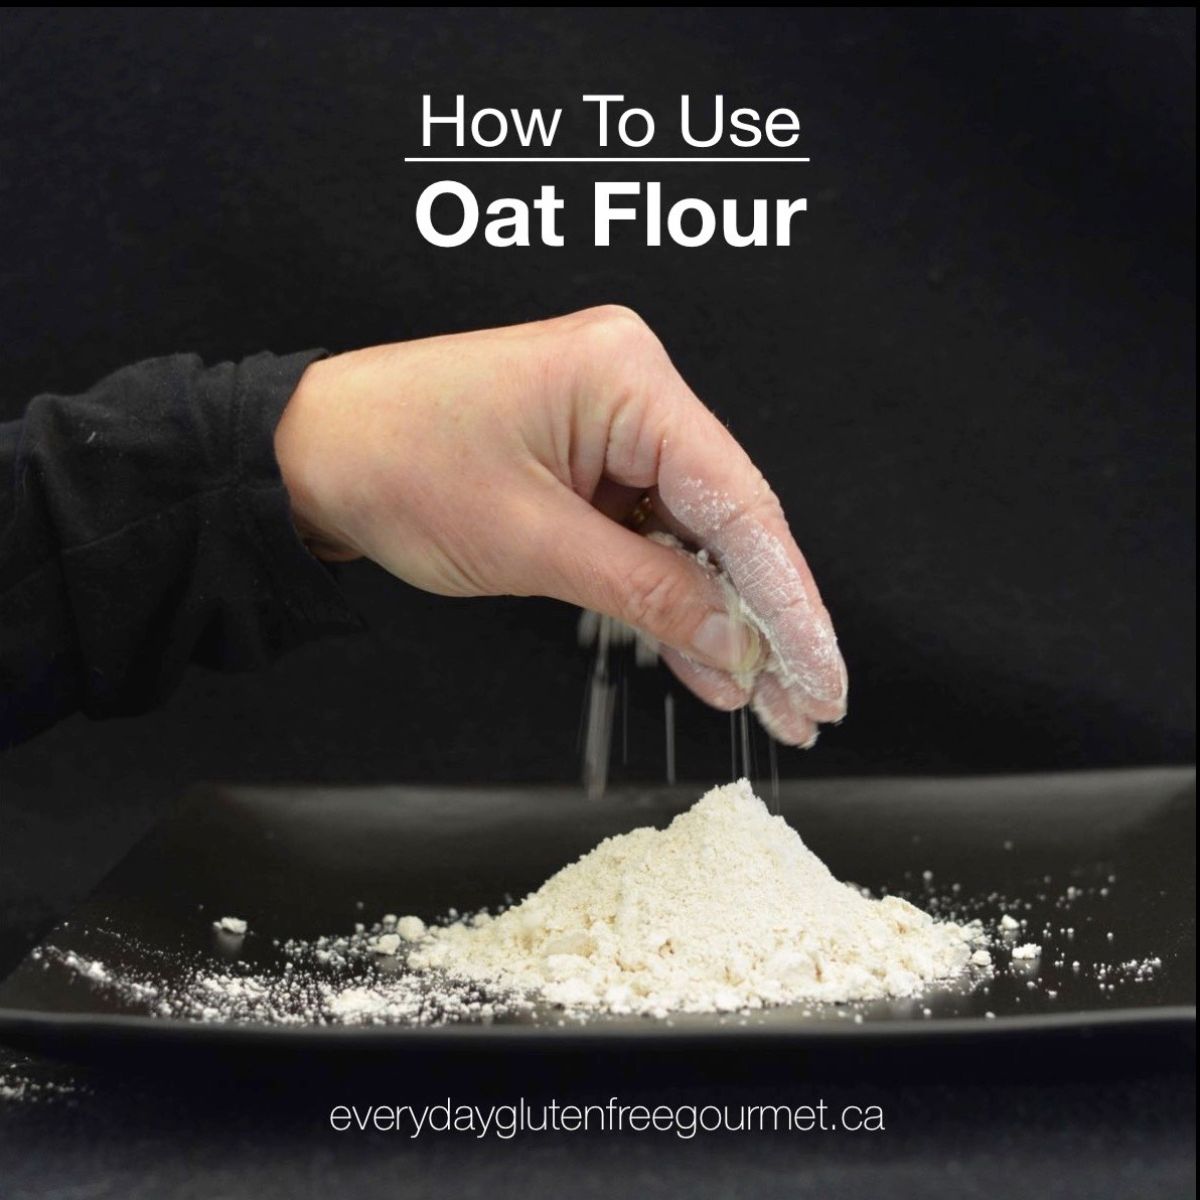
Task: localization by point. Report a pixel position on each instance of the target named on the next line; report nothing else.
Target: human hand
(505, 461)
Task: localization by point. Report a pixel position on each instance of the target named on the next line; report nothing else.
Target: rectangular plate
(298, 863)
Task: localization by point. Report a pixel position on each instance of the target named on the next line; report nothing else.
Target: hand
(504, 461)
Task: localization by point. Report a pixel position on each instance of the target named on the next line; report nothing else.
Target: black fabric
(144, 525)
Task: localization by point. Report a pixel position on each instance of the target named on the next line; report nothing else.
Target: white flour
(726, 909)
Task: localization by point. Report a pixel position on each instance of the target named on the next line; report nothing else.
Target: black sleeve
(144, 525)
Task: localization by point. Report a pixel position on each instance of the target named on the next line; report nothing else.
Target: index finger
(708, 486)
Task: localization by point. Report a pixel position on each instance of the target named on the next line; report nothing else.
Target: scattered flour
(411, 929)
(37, 1084)
(726, 909)
(386, 943)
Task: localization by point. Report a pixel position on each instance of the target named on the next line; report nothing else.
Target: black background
(970, 378)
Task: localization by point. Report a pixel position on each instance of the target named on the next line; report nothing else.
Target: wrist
(302, 466)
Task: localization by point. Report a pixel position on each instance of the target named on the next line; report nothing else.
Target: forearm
(144, 525)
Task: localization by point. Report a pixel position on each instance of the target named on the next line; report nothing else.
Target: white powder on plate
(387, 943)
(725, 909)
(411, 929)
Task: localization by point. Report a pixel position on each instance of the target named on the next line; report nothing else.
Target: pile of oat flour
(725, 909)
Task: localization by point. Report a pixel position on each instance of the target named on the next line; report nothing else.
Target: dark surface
(299, 863)
(1028, 1127)
(1085, 1112)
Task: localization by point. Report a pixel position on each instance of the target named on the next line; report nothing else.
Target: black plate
(297, 863)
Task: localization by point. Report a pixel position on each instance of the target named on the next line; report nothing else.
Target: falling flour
(725, 909)
(609, 636)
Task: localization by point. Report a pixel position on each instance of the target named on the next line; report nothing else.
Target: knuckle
(757, 505)
(615, 315)
(614, 329)
(760, 504)
(619, 357)
(764, 503)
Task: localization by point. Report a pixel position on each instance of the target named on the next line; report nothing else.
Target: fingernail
(726, 643)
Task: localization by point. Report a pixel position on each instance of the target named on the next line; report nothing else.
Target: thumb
(589, 560)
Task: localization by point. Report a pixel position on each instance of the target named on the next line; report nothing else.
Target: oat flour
(725, 909)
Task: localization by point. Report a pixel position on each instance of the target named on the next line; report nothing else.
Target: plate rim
(39, 1026)
(28, 1024)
